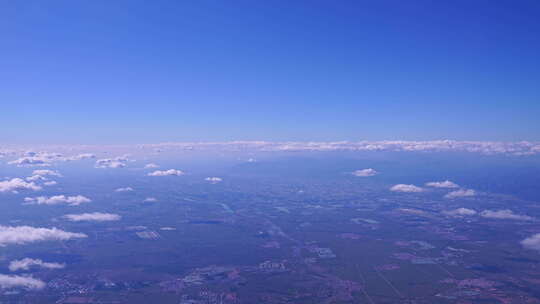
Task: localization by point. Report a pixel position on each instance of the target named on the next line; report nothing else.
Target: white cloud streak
(460, 193)
(213, 180)
(461, 212)
(125, 189)
(95, 217)
(57, 199)
(365, 172)
(505, 214)
(169, 172)
(406, 188)
(15, 281)
(28, 234)
(27, 263)
(443, 184)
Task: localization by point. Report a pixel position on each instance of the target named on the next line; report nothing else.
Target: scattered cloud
(46, 172)
(532, 242)
(461, 211)
(95, 216)
(28, 234)
(117, 162)
(150, 200)
(50, 183)
(14, 281)
(15, 184)
(444, 184)
(365, 172)
(125, 189)
(504, 214)
(58, 199)
(27, 263)
(406, 188)
(461, 193)
(166, 172)
(213, 180)
(81, 156)
(151, 166)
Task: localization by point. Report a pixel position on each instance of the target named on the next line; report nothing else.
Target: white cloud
(166, 172)
(125, 189)
(26, 263)
(150, 199)
(81, 156)
(213, 180)
(95, 216)
(45, 172)
(532, 242)
(13, 281)
(28, 234)
(365, 172)
(461, 193)
(461, 211)
(117, 162)
(444, 184)
(50, 183)
(151, 166)
(35, 178)
(57, 199)
(406, 188)
(17, 184)
(504, 214)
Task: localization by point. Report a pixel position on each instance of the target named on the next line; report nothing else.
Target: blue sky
(152, 71)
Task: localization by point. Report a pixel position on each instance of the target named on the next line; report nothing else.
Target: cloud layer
(461, 211)
(28, 234)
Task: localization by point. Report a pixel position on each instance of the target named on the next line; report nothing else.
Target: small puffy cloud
(58, 199)
(46, 172)
(30, 161)
(150, 200)
(117, 162)
(151, 166)
(28, 234)
(213, 180)
(461, 193)
(95, 216)
(166, 172)
(35, 178)
(27, 263)
(461, 212)
(50, 183)
(365, 172)
(82, 156)
(15, 281)
(532, 242)
(406, 188)
(444, 184)
(125, 189)
(15, 184)
(504, 214)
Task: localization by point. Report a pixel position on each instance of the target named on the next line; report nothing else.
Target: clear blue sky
(151, 71)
